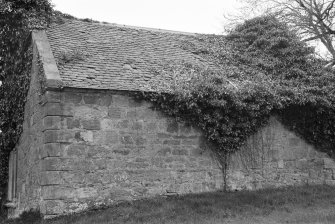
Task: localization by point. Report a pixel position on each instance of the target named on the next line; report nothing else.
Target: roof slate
(98, 56)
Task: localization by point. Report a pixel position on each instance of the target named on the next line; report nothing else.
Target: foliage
(70, 56)
(311, 19)
(305, 91)
(17, 18)
(265, 70)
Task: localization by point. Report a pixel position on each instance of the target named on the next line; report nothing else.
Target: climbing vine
(17, 19)
(264, 69)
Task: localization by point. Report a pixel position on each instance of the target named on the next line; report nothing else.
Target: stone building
(86, 141)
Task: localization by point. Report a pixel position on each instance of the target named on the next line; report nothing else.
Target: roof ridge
(143, 28)
(150, 29)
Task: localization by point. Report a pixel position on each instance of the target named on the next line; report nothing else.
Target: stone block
(92, 99)
(74, 178)
(196, 151)
(94, 178)
(75, 207)
(132, 114)
(281, 164)
(140, 140)
(171, 142)
(57, 193)
(151, 127)
(53, 109)
(188, 142)
(205, 163)
(328, 174)
(51, 150)
(140, 191)
(274, 155)
(137, 125)
(172, 126)
(59, 136)
(180, 152)
(99, 164)
(74, 98)
(330, 182)
(87, 192)
(322, 155)
(106, 137)
(93, 124)
(163, 135)
(116, 112)
(98, 151)
(137, 165)
(141, 160)
(146, 114)
(51, 178)
(67, 110)
(86, 136)
(83, 165)
(75, 151)
(54, 207)
(302, 164)
(164, 151)
(120, 100)
(122, 124)
(123, 152)
(133, 102)
(89, 112)
(185, 128)
(72, 123)
(108, 124)
(106, 100)
(52, 97)
(314, 174)
(317, 163)
(116, 165)
(52, 123)
(329, 163)
(56, 164)
(158, 162)
(36, 117)
(294, 141)
(194, 137)
(57, 109)
(127, 139)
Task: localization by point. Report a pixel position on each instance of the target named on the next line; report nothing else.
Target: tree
(17, 19)
(312, 20)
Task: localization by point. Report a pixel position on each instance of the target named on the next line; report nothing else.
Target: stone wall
(104, 147)
(83, 148)
(28, 188)
(276, 157)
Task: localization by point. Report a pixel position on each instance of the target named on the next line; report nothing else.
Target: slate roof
(99, 56)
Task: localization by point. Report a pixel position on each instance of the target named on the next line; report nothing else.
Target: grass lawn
(307, 204)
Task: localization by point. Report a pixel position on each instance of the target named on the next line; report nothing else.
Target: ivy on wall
(266, 70)
(17, 19)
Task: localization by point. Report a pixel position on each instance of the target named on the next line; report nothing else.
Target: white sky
(199, 16)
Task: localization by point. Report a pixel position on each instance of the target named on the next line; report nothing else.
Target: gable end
(52, 76)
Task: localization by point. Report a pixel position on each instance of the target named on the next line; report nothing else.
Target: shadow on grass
(213, 207)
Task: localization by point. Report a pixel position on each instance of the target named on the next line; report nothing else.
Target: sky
(196, 16)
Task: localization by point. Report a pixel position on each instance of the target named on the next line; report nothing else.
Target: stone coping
(51, 72)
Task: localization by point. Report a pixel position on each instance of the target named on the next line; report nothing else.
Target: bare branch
(313, 20)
